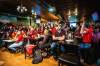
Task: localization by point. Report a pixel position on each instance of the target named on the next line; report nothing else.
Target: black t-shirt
(59, 33)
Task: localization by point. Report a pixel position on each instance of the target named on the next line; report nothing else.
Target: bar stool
(29, 49)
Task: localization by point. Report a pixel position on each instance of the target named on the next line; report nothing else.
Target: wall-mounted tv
(73, 18)
(73, 24)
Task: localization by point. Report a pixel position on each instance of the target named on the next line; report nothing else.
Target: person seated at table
(41, 30)
(53, 29)
(77, 34)
(13, 34)
(59, 37)
(32, 35)
(18, 41)
(46, 38)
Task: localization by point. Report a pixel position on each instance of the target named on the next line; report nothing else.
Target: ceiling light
(21, 8)
(69, 12)
(76, 11)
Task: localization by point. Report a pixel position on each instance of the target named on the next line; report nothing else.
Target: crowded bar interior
(49, 32)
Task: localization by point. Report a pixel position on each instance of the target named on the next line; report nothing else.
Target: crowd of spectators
(86, 36)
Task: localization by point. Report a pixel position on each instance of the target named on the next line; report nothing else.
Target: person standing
(96, 42)
(86, 45)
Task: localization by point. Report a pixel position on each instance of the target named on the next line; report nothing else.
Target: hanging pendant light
(76, 11)
(21, 8)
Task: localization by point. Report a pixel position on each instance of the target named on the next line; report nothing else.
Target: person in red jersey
(53, 30)
(86, 45)
(18, 41)
(87, 35)
(41, 30)
(32, 33)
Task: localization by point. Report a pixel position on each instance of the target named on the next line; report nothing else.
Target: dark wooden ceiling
(9, 6)
(83, 5)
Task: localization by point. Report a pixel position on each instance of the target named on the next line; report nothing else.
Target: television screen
(72, 18)
(38, 21)
(73, 24)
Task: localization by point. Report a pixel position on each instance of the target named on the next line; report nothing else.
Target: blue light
(51, 9)
(33, 11)
(37, 9)
(95, 16)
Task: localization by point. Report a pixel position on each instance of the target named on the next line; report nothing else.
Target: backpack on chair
(37, 58)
